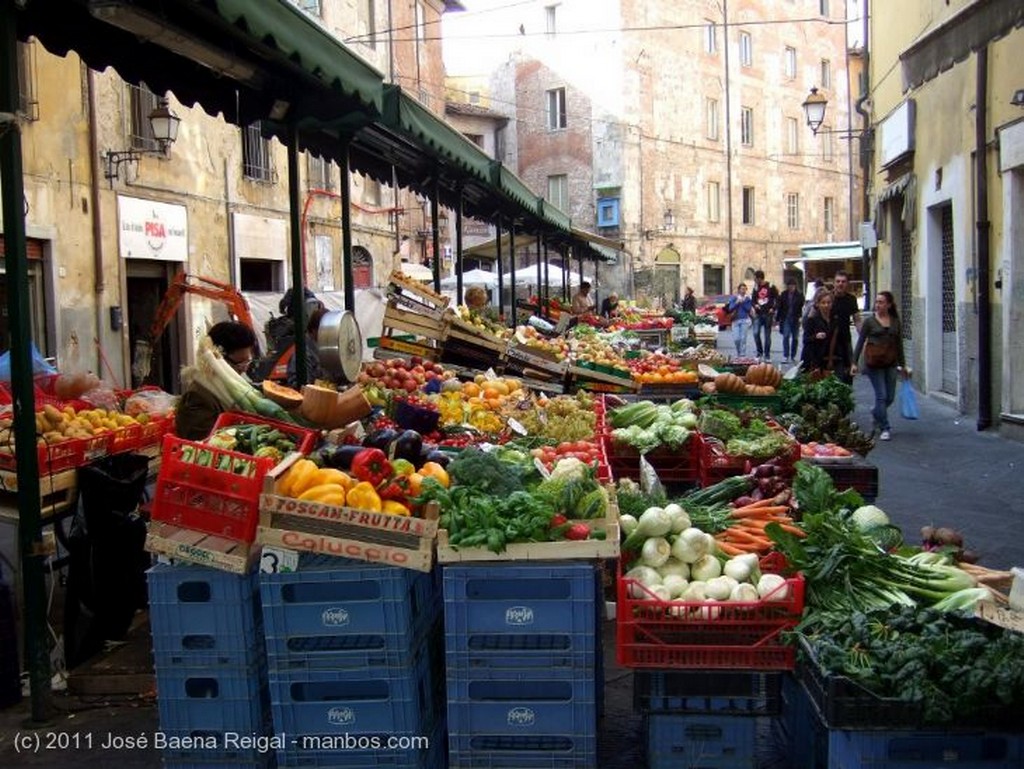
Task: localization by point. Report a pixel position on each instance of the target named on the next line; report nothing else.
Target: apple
(410, 385)
(416, 360)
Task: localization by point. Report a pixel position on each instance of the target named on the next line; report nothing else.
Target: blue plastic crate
(204, 617)
(212, 701)
(706, 741)
(299, 756)
(354, 616)
(537, 616)
(924, 750)
(814, 746)
(522, 752)
(361, 701)
(720, 692)
(522, 707)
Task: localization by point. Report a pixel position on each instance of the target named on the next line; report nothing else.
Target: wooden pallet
(200, 548)
(395, 540)
(396, 318)
(538, 360)
(542, 551)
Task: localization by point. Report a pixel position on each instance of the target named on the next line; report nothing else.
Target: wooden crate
(582, 374)
(562, 550)
(422, 293)
(200, 548)
(398, 319)
(538, 360)
(410, 348)
(467, 332)
(396, 540)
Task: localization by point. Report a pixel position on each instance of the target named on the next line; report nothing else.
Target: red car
(715, 307)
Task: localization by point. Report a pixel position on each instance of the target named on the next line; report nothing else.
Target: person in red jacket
(765, 298)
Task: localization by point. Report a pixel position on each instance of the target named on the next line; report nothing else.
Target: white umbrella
(528, 276)
(472, 278)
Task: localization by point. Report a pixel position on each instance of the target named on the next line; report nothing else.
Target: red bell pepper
(372, 466)
(578, 531)
(397, 489)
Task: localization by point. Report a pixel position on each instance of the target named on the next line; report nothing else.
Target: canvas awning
(825, 252)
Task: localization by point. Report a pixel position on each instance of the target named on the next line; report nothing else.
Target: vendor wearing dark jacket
(314, 370)
(198, 408)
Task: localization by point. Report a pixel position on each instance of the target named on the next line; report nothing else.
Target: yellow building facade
(948, 190)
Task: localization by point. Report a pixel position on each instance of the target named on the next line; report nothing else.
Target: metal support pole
(547, 285)
(346, 230)
(541, 309)
(435, 235)
(512, 269)
(458, 250)
(501, 279)
(37, 653)
(298, 278)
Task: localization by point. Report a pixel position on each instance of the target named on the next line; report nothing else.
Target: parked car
(715, 307)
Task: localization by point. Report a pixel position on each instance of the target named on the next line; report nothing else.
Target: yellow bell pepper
(325, 493)
(392, 507)
(296, 478)
(330, 475)
(363, 496)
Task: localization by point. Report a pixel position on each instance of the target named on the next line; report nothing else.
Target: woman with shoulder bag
(881, 342)
(821, 354)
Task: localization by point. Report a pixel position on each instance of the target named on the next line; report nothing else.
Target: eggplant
(339, 457)
(381, 439)
(438, 456)
(408, 445)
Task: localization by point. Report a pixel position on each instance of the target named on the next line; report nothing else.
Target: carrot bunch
(745, 533)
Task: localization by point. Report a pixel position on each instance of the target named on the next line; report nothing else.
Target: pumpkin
(760, 390)
(729, 383)
(285, 397)
(708, 387)
(319, 404)
(763, 374)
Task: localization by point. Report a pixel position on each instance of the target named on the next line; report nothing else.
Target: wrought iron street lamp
(164, 126)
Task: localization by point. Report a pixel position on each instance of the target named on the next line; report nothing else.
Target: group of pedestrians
(825, 319)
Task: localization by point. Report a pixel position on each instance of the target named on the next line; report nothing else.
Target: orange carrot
(759, 512)
(745, 536)
(729, 548)
(794, 530)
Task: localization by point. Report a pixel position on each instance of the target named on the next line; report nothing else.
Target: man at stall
(610, 305)
(198, 408)
(582, 302)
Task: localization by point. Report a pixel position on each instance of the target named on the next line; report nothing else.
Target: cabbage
(868, 517)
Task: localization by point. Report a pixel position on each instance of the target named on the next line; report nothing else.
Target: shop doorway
(146, 283)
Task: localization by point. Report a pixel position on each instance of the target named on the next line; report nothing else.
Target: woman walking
(821, 354)
(881, 342)
(741, 307)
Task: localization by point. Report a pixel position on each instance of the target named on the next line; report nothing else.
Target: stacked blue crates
(711, 719)
(210, 667)
(355, 658)
(521, 652)
(815, 744)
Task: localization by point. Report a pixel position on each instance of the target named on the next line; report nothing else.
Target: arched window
(362, 268)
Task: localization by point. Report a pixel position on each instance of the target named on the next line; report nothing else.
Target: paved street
(938, 470)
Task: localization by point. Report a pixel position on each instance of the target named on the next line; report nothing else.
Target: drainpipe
(99, 285)
(983, 226)
(728, 148)
(867, 149)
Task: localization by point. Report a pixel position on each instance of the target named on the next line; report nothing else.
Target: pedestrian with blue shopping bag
(881, 343)
(741, 309)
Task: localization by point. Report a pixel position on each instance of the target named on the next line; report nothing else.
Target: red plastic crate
(204, 498)
(711, 634)
(305, 439)
(155, 429)
(671, 465)
(61, 456)
(125, 439)
(715, 465)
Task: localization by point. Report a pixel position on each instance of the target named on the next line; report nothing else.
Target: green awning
(245, 60)
(554, 215)
(821, 252)
(405, 114)
(514, 188)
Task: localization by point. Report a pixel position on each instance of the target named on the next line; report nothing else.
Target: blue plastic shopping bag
(908, 400)
(39, 365)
